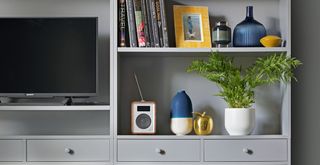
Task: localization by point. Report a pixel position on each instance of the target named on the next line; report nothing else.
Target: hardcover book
(131, 24)
(122, 23)
(146, 23)
(139, 23)
(154, 24)
(164, 24)
(159, 23)
(149, 22)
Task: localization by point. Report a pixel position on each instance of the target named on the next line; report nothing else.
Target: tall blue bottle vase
(248, 32)
(181, 114)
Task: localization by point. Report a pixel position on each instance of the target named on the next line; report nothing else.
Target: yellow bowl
(270, 41)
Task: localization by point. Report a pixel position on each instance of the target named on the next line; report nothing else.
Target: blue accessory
(181, 105)
(248, 32)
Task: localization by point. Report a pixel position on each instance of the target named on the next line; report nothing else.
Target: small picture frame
(192, 28)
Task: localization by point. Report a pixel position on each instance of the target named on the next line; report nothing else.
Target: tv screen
(48, 56)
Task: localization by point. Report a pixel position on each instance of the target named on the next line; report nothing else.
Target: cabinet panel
(12, 150)
(245, 150)
(68, 150)
(158, 150)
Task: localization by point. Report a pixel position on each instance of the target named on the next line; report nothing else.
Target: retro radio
(143, 115)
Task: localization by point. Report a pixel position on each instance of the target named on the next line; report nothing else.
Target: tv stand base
(52, 101)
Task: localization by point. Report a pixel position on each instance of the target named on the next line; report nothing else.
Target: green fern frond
(238, 89)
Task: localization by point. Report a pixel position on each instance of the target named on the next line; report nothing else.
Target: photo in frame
(192, 28)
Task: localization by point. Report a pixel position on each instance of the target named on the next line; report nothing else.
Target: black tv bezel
(46, 95)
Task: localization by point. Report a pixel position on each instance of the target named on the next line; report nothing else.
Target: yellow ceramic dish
(270, 41)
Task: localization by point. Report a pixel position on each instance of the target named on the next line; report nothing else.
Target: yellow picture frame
(192, 27)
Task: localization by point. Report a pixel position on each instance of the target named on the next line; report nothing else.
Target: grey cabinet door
(12, 150)
(158, 150)
(68, 150)
(246, 150)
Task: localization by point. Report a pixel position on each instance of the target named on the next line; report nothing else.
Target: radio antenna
(137, 82)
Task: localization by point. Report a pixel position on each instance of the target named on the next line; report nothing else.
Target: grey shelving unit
(100, 135)
(162, 72)
(62, 135)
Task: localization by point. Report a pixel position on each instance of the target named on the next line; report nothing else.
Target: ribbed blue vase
(181, 114)
(248, 32)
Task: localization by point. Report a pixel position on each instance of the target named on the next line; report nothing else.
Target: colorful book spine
(146, 23)
(158, 13)
(149, 20)
(139, 23)
(122, 23)
(131, 24)
(164, 24)
(154, 24)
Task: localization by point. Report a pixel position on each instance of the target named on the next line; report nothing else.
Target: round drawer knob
(160, 151)
(69, 151)
(247, 151)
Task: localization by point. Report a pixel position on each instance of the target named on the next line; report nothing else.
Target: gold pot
(203, 124)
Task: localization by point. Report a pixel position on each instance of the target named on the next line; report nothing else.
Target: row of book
(142, 23)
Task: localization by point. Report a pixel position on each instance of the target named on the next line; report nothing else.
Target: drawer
(68, 150)
(12, 150)
(158, 150)
(245, 150)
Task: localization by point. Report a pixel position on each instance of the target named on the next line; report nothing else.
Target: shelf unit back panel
(161, 77)
(54, 123)
(273, 14)
(71, 8)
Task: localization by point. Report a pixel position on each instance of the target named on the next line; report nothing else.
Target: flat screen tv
(46, 57)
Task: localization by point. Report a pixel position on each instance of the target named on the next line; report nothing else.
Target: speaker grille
(143, 121)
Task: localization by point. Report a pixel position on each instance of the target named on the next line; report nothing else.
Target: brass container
(203, 124)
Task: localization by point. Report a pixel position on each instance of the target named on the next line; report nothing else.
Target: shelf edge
(173, 137)
(199, 50)
(56, 108)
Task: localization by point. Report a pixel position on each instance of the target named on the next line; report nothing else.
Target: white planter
(239, 121)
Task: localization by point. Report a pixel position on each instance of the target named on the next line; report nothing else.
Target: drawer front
(245, 150)
(12, 150)
(158, 150)
(68, 150)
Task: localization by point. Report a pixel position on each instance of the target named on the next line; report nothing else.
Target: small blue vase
(181, 114)
(248, 32)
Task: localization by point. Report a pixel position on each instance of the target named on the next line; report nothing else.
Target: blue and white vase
(181, 114)
(248, 32)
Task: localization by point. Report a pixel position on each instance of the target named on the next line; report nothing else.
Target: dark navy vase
(248, 32)
(181, 105)
(181, 114)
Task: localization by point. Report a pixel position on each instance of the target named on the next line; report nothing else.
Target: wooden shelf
(204, 50)
(56, 108)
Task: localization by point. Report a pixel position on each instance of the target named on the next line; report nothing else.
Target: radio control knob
(160, 151)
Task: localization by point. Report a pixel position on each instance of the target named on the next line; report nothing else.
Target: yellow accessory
(192, 26)
(203, 124)
(271, 41)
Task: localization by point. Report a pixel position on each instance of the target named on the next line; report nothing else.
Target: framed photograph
(192, 28)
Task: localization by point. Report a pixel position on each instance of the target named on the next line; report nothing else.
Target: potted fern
(237, 85)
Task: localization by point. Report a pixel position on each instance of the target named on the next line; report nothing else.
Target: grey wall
(306, 93)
